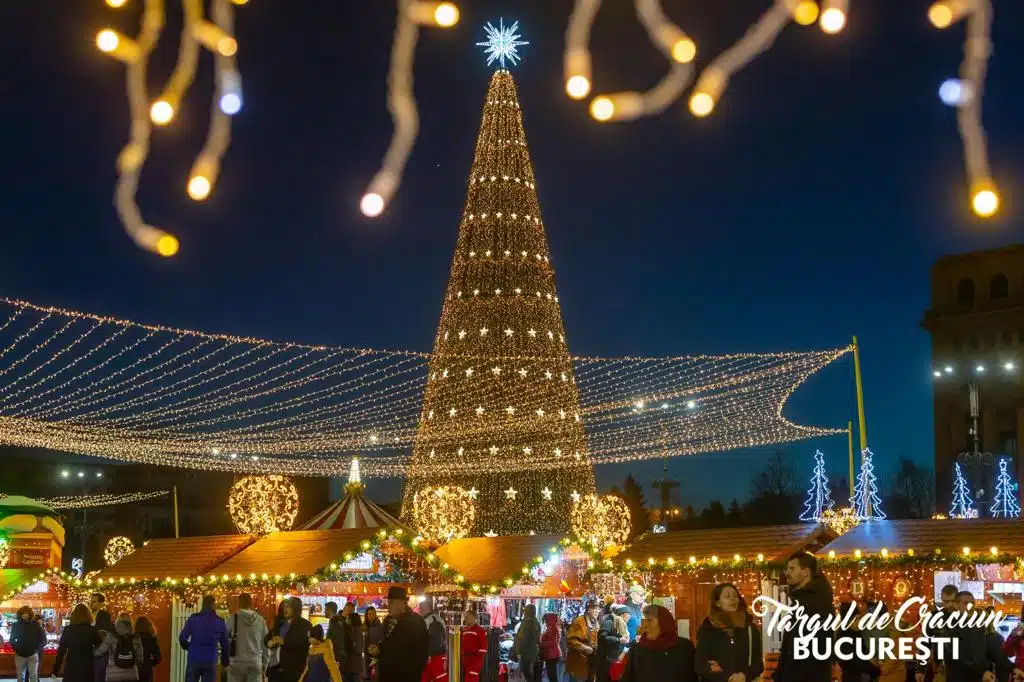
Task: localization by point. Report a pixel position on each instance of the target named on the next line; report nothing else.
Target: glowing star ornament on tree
(117, 548)
(963, 505)
(1005, 503)
(819, 499)
(444, 513)
(502, 43)
(865, 501)
(260, 505)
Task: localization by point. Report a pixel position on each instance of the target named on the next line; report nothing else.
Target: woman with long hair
(581, 640)
(291, 637)
(374, 633)
(660, 655)
(74, 661)
(728, 642)
(151, 657)
(123, 651)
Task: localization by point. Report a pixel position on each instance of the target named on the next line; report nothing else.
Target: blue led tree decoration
(865, 501)
(1005, 503)
(502, 43)
(818, 496)
(963, 505)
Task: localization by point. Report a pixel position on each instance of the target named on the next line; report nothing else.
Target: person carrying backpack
(123, 650)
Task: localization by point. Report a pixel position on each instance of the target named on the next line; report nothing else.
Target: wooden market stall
(143, 583)
(33, 543)
(895, 560)
(679, 568)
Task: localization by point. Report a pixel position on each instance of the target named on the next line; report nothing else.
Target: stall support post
(174, 494)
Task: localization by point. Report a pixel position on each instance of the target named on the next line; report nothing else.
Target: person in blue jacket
(202, 634)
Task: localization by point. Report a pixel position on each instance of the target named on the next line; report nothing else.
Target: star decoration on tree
(546, 493)
(494, 449)
(502, 43)
(511, 493)
(575, 496)
(480, 410)
(472, 492)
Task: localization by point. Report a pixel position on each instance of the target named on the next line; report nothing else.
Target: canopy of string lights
(99, 386)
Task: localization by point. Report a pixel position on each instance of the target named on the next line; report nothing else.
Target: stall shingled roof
(492, 559)
(924, 536)
(178, 557)
(302, 552)
(775, 543)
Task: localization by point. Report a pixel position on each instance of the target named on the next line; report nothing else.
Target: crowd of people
(630, 642)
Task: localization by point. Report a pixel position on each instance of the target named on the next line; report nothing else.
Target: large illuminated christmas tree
(500, 433)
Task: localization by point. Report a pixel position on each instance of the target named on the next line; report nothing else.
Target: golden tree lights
(602, 520)
(5, 552)
(840, 521)
(118, 547)
(110, 388)
(484, 407)
(444, 513)
(260, 505)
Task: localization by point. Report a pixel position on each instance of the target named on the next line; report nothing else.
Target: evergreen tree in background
(1005, 503)
(818, 497)
(963, 505)
(865, 492)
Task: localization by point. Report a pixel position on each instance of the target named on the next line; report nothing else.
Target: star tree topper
(502, 43)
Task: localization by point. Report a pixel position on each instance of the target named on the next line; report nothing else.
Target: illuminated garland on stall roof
(414, 544)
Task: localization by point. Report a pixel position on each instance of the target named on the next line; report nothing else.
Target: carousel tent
(352, 511)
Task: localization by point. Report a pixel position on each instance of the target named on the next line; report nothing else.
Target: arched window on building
(999, 287)
(965, 293)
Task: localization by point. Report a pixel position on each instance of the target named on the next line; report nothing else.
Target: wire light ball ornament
(260, 505)
(444, 513)
(118, 547)
(840, 521)
(604, 520)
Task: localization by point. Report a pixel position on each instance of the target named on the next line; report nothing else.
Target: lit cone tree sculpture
(500, 415)
(963, 505)
(865, 501)
(819, 499)
(1005, 503)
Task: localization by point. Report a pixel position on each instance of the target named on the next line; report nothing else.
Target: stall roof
(13, 578)
(302, 552)
(491, 560)
(177, 557)
(774, 542)
(924, 536)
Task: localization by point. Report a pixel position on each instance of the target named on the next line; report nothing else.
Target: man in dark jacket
(609, 640)
(811, 590)
(978, 660)
(402, 654)
(104, 624)
(338, 633)
(203, 633)
(291, 637)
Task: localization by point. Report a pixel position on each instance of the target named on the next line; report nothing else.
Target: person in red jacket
(474, 647)
(550, 646)
(1014, 646)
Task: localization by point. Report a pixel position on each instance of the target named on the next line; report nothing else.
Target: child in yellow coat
(320, 664)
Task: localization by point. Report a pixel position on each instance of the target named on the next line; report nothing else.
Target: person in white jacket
(250, 657)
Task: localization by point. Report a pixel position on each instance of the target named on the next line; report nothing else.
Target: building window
(998, 288)
(965, 293)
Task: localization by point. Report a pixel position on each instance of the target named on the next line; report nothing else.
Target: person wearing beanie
(122, 650)
(321, 665)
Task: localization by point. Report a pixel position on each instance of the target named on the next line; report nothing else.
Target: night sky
(808, 208)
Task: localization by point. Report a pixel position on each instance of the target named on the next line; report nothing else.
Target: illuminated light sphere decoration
(840, 521)
(604, 520)
(259, 505)
(444, 513)
(5, 552)
(118, 547)
(501, 411)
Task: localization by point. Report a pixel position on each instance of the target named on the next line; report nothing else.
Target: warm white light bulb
(577, 86)
(372, 204)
